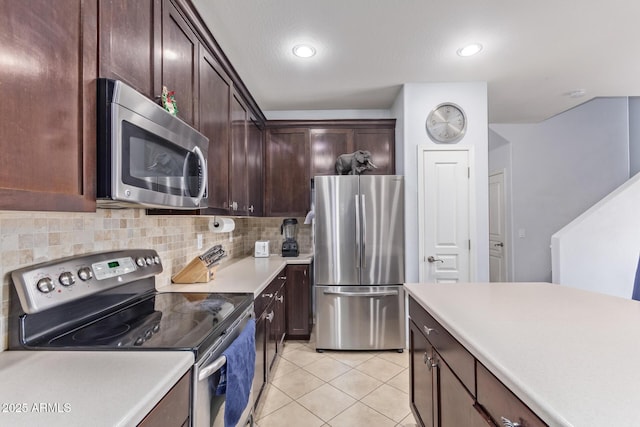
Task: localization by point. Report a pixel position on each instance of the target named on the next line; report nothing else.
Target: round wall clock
(446, 123)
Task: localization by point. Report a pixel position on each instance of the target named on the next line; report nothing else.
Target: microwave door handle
(205, 177)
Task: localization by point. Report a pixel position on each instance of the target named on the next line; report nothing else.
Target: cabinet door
(298, 302)
(288, 183)
(326, 146)
(215, 93)
(173, 410)
(381, 144)
(48, 125)
(180, 62)
(255, 170)
(456, 404)
(238, 162)
(423, 386)
(130, 43)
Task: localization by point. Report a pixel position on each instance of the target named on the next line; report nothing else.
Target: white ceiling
(535, 52)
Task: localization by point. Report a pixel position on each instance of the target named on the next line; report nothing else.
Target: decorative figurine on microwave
(169, 101)
(355, 163)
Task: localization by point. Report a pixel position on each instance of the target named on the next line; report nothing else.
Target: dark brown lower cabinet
(173, 409)
(423, 381)
(298, 302)
(449, 387)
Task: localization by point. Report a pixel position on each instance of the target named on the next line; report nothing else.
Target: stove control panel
(54, 283)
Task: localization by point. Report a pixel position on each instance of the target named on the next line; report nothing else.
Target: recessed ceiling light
(304, 51)
(470, 50)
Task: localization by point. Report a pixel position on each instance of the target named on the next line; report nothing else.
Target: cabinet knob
(251, 208)
(280, 298)
(508, 423)
(270, 316)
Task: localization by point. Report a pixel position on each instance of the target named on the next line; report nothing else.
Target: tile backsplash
(28, 238)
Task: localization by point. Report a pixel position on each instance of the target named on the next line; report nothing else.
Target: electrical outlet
(199, 240)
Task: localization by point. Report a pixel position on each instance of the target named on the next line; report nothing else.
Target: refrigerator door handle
(362, 294)
(357, 248)
(363, 260)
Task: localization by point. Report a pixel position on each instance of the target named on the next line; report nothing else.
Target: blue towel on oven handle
(236, 376)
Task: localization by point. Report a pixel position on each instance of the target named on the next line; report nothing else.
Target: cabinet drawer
(453, 353)
(498, 401)
(266, 296)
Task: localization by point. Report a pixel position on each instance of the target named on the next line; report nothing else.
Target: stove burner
(97, 334)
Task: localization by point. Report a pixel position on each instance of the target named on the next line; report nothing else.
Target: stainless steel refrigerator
(359, 262)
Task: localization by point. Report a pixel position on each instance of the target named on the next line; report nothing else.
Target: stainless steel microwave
(146, 157)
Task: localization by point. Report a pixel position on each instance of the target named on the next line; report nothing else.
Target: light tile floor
(336, 389)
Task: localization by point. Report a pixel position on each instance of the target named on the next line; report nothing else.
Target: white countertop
(250, 275)
(572, 356)
(78, 388)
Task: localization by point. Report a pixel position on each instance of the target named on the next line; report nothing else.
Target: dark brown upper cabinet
(380, 142)
(48, 126)
(255, 167)
(288, 183)
(326, 146)
(238, 162)
(215, 93)
(130, 43)
(180, 54)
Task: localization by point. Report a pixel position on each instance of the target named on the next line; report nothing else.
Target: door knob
(499, 244)
(434, 259)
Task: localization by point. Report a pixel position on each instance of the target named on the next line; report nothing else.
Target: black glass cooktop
(189, 321)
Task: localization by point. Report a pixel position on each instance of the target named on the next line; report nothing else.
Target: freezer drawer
(359, 317)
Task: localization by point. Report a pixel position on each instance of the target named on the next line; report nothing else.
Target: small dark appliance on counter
(290, 245)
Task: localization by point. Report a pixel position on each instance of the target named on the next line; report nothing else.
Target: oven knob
(156, 328)
(139, 341)
(45, 285)
(149, 260)
(140, 261)
(85, 274)
(67, 279)
(156, 259)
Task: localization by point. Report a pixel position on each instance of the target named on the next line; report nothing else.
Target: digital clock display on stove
(114, 264)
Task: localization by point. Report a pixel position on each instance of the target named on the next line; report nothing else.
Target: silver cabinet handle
(508, 423)
(251, 208)
(428, 330)
(267, 295)
(280, 298)
(270, 316)
(282, 277)
(499, 244)
(434, 259)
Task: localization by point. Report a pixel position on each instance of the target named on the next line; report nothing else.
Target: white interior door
(497, 260)
(443, 198)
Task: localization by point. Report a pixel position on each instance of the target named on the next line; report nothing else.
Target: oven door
(208, 408)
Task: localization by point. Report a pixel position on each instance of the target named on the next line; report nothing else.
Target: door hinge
(469, 244)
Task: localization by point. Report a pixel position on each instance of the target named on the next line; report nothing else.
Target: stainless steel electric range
(108, 301)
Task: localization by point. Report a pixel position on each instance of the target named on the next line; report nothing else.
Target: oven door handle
(212, 368)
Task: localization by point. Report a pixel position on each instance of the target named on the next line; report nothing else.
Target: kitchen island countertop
(246, 275)
(572, 356)
(85, 388)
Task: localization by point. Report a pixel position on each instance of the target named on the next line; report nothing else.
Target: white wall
(634, 135)
(599, 250)
(561, 167)
(411, 109)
